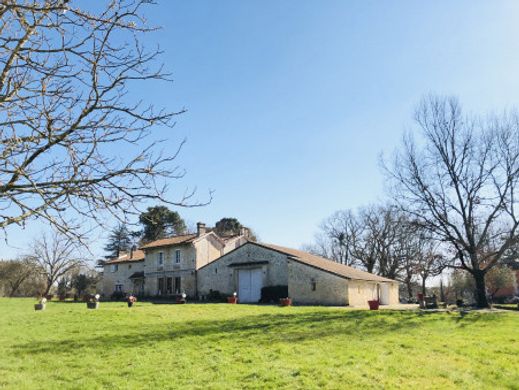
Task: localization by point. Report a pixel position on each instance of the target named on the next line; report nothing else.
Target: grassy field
(229, 347)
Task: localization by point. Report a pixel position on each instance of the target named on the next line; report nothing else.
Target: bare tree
(66, 109)
(499, 278)
(56, 255)
(428, 263)
(381, 239)
(459, 184)
(14, 273)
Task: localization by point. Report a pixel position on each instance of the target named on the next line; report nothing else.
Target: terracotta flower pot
(92, 305)
(233, 300)
(285, 301)
(39, 306)
(373, 305)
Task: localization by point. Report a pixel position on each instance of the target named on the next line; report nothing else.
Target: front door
(249, 285)
(384, 294)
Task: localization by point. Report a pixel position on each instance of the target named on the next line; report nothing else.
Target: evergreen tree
(160, 222)
(120, 240)
(228, 227)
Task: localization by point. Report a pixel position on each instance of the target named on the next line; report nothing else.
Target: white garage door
(249, 285)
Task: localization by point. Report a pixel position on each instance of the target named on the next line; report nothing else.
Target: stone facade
(222, 275)
(117, 277)
(200, 264)
(307, 283)
(180, 265)
(312, 286)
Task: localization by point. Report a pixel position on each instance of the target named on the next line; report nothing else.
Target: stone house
(310, 279)
(124, 274)
(169, 266)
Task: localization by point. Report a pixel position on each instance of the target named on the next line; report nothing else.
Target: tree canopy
(458, 182)
(119, 240)
(160, 222)
(65, 106)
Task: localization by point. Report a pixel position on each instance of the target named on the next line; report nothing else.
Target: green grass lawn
(224, 346)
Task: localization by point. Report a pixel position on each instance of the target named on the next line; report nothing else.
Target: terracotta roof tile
(137, 255)
(326, 264)
(183, 239)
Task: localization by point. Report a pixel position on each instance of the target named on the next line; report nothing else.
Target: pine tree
(120, 240)
(159, 222)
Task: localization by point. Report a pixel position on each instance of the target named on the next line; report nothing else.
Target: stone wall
(187, 282)
(219, 276)
(207, 250)
(360, 292)
(121, 276)
(311, 286)
(187, 259)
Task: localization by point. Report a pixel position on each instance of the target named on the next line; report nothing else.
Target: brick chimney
(132, 250)
(200, 229)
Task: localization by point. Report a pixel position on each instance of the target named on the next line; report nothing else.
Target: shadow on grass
(263, 329)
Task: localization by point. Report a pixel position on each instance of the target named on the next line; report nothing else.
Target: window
(129, 266)
(177, 256)
(161, 258)
(216, 270)
(115, 267)
(178, 284)
(314, 285)
(119, 287)
(169, 286)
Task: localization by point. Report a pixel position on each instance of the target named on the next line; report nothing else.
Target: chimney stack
(200, 229)
(133, 249)
(244, 232)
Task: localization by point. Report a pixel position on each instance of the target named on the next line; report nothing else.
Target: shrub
(118, 295)
(273, 294)
(216, 296)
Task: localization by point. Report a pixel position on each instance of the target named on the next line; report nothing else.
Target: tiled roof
(137, 255)
(183, 239)
(137, 275)
(326, 265)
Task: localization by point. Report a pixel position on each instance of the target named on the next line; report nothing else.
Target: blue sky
(291, 102)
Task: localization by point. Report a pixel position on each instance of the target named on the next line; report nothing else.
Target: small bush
(118, 295)
(216, 296)
(272, 294)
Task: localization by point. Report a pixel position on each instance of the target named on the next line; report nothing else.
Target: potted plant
(93, 302)
(285, 301)
(131, 300)
(181, 298)
(374, 304)
(233, 299)
(41, 305)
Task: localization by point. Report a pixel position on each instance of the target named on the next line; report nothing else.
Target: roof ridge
(328, 264)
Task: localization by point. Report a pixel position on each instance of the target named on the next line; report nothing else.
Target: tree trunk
(47, 288)
(481, 292)
(409, 289)
(423, 286)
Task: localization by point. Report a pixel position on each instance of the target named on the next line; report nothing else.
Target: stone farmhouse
(167, 266)
(203, 263)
